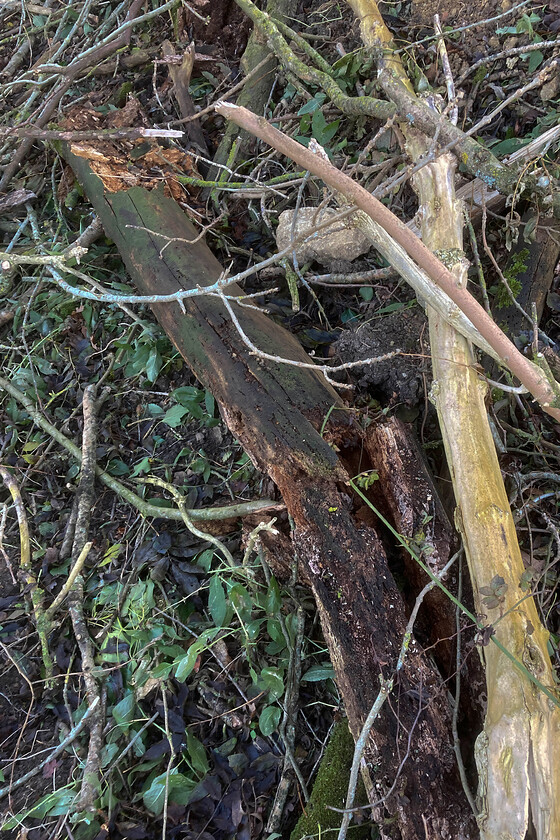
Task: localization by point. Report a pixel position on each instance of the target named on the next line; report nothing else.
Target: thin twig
(169, 763)
(129, 746)
(327, 370)
(551, 68)
(456, 741)
(91, 771)
(3, 551)
(180, 499)
(288, 723)
(31, 132)
(442, 50)
(118, 38)
(74, 572)
(526, 48)
(145, 508)
(225, 95)
(29, 578)
(23, 727)
(500, 273)
(54, 754)
(56, 263)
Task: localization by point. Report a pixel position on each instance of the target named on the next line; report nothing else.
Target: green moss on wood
(330, 790)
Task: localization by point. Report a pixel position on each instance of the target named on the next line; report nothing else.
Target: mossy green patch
(518, 265)
(329, 791)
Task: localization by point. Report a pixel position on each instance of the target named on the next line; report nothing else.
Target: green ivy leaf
(162, 671)
(271, 680)
(253, 628)
(241, 601)
(204, 559)
(145, 466)
(321, 131)
(269, 720)
(197, 755)
(111, 554)
(313, 105)
(186, 394)
(117, 467)
(185, 665)
(320, 672)
(153, 365)
(123, 712)
(217, 604)
(209, 403)
(173, 416)
(52, 801)
(273, 597)
(535, 60)
(154, 797)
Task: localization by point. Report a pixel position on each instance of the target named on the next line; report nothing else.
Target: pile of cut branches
(218, 281)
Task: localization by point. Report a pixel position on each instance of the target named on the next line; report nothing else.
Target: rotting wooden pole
(276, 411)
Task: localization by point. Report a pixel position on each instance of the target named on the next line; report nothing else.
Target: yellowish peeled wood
(518, 752)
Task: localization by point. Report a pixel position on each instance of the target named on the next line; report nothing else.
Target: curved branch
(529, 374)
